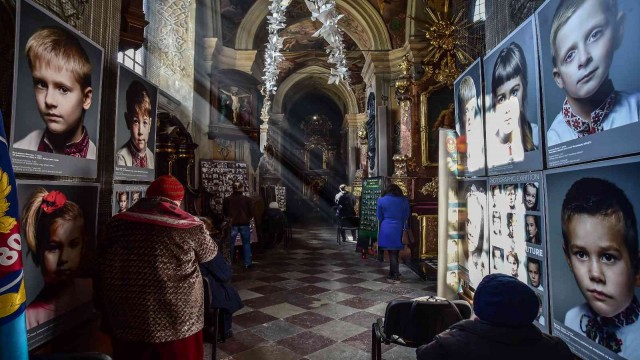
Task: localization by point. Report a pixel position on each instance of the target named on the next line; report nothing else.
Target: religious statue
(268, 165)
(235, 101)
(446, 119)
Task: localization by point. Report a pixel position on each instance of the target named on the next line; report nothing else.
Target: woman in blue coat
(393, 216)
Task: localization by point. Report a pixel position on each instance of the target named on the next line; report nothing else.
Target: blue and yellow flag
(13, 328)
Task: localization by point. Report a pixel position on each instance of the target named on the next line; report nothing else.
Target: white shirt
(630, 334)
(626, 110)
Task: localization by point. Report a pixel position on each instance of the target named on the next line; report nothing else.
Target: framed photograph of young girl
(58, 229)
(512, 103)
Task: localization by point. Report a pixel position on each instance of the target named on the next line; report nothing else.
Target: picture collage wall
(547, 128)
(58, 73)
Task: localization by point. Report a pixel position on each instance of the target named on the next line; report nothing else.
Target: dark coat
(346, 204)
(223, 294)
(477, 339)
(273, 221)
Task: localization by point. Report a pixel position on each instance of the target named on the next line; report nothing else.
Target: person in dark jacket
(346, 212)
(273, 225)
(503, 328)
(239, 208)
(223, 295)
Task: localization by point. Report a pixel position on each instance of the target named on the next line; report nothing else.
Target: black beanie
(503, 300)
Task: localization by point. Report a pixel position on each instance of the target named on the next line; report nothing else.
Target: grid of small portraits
(516, 232)
(125, 196)
(217, 178)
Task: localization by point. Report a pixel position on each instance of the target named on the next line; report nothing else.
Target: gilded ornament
(430, 188)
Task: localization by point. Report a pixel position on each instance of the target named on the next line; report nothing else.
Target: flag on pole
(13, 328)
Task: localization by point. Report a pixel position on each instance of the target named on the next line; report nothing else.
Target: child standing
(54, 229)
(61, 73)
(601, 247)
(138, 117)
(584, 36)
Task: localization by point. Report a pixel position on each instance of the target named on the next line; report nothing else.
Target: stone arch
(340, 93)
(362, 11)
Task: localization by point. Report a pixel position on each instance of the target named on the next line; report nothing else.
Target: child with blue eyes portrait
(584, 36)
(61, 74)
(600, 244)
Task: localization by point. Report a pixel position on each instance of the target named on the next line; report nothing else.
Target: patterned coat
(393, 215)
(149, 284)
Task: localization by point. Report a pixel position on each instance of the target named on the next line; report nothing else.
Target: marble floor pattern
(315, 300)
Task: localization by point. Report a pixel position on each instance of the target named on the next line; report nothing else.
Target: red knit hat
(166, 186)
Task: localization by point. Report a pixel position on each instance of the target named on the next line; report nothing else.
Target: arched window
(136, 59)
(478, 11)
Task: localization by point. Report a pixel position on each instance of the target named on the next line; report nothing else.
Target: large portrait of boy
(58, 228)
(56, 105)
(593, 257)
(512, 107)
(591, 87)
(467, 90)
(135, 127)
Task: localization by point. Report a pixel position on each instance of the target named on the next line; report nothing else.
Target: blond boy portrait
(61, 76)
(585, 34)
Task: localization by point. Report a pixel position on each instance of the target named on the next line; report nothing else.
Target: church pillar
(354, 122)
(274, 133)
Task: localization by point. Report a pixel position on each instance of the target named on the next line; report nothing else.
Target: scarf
(159, 211)
(139, 158)
(603, 329)
(584, 127)
(77, 149)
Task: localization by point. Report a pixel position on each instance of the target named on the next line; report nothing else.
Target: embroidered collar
(603, 329)
(594, 125)
(77, 149)
(139, 158)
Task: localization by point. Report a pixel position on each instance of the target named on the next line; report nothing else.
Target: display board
(371, 190)
(57, 261)
(467, 90)
(136, 124)
(281, 197)
(605, 89)
(473, 245)
(593, 248)
(516, 233)
(125, 195)
(512, 103)
(54, 129)
(217, 177)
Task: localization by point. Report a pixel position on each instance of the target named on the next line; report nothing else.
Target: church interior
(293, 99)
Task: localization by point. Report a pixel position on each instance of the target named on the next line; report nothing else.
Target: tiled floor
(315, 300)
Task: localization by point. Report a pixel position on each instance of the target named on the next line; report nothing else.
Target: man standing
(239, 208)
(148, 284)
(346, 212)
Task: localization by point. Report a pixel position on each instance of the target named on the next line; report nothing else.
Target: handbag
(405, 254)
(407, 237)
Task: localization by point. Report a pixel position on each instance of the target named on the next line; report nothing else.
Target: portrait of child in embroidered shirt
(139, 119)
(600, 243)
(54, 230)
(61, 77)
(585, 36)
